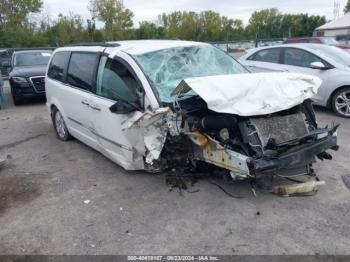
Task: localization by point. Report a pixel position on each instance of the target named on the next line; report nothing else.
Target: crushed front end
(266, 127)
(288, 142)
(285, 143)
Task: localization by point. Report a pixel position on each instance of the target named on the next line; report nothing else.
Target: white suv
(162, 104)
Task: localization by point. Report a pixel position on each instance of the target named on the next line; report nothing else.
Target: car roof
(305, 37)
(32, 51)
(136, 47)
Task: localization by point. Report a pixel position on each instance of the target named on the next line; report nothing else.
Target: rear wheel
(341, 102)
(60, 126)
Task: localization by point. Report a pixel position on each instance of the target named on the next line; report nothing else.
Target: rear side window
(82, 70)
(58, 65)
(267, 55)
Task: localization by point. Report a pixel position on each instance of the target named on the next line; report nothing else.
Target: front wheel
(341, 102)
(60, 126)
(17, 100)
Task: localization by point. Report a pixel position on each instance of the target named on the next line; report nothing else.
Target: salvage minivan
(158, 105)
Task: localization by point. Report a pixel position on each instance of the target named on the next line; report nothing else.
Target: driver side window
(115, 81)
(298, 57)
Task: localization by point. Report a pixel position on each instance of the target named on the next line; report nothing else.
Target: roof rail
(104, 44)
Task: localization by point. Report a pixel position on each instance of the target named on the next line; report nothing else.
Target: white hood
(252, 94)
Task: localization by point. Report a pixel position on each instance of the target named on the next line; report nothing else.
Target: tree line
(23, 24)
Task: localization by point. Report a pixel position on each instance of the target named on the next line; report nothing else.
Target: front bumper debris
(303, 155)
(303, 189)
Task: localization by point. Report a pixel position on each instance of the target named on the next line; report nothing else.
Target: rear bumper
(304, 155)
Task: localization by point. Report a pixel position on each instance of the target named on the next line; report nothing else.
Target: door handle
(94, 107)
(85, 103)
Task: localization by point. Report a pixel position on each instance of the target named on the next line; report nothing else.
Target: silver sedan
(330, 64)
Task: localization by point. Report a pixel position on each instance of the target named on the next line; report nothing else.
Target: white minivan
(158, 104)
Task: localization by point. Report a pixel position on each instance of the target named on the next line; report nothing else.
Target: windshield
(330, 41)
(336, 54)
(168, 67)
(31, 58)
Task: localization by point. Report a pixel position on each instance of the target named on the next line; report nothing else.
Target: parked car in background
(5, 62)
(27, 77)
(2, 97)
(329, 63)
(316, 40)
(161, 105)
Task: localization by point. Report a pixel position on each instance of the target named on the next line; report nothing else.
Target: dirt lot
(45, 183)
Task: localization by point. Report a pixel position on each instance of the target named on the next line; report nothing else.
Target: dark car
(316, 40)
(27, 77)
(5, 62)
(2, 98)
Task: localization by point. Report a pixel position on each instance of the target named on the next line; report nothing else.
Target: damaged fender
(154, 129)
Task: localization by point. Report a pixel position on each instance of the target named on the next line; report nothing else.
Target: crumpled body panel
(251, 94)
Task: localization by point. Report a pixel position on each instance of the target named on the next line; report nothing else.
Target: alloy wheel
(342, 103)
(60, 125)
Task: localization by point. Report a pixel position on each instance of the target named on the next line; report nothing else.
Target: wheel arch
(52, 107)
(329, 101)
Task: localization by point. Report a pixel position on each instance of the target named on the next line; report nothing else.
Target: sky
(241, 9)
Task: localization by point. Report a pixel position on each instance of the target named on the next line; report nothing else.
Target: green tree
(15, 28)
(15, 12)
(347, 7)
(270, 23)
(117, 19)
(182, 25)
(190, 26)
(171, 24)
(94, 34)
(231, 29)
(69, 29)
(147, 30)
(210, 25)
(266, 23)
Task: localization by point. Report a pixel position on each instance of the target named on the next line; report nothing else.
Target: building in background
(338, 28)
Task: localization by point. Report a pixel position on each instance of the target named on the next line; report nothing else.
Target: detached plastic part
(346, 180)
(2, 162)
(302, 189)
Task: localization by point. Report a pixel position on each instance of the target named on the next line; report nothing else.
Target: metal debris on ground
(302, 189)
(224, 190)
(175, 182)
(86, 201)
(346, 180)
(178, 180)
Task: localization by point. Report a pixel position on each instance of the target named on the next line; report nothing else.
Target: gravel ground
(45, 183)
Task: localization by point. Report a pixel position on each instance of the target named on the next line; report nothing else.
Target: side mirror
(122, 107)
(318, 65)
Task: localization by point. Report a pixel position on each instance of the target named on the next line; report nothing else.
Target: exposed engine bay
(284, 143)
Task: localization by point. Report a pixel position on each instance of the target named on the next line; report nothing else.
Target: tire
(341, 102)
(17, 100)
(60, 126)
